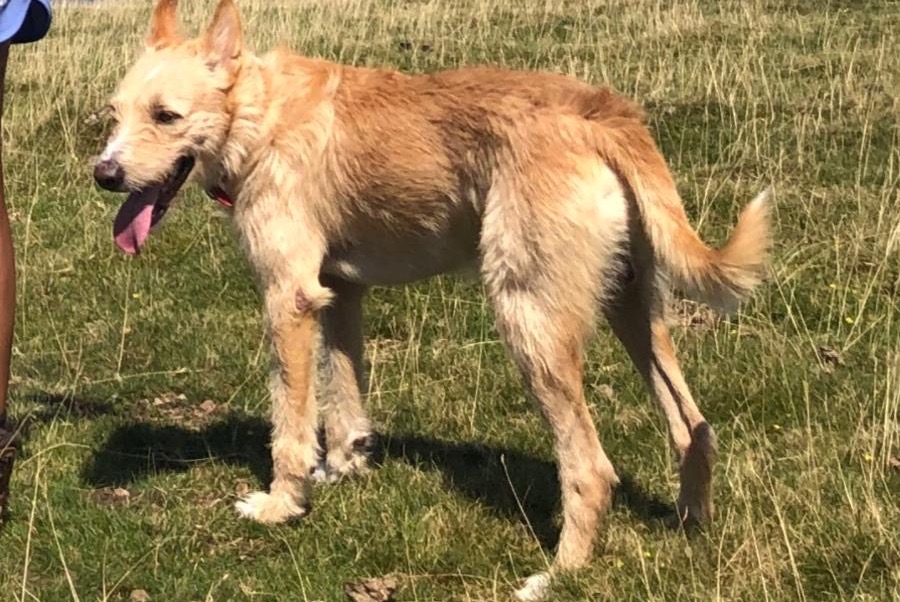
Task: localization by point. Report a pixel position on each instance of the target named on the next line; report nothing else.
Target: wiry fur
(344, 178)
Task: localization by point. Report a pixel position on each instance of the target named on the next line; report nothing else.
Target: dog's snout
(109, 175)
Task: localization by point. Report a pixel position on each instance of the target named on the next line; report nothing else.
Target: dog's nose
(109, 175)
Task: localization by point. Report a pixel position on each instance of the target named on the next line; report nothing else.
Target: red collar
(218, 194)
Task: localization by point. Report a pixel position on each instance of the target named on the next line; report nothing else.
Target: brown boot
(7, 457)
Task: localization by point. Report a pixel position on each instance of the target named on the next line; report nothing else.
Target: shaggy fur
(344, 178)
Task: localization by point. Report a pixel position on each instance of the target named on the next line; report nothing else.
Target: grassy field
(139, 385)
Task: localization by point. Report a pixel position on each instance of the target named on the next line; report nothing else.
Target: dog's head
(170, 110)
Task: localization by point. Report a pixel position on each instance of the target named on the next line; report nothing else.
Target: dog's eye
(164, 116)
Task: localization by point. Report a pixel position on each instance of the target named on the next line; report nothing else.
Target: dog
(339, 178)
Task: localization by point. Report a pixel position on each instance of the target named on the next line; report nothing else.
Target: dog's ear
(163, 25)
(223, 41)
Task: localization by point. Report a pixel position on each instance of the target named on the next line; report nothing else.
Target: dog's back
(540, 90)
(435, 139)
(419, 154)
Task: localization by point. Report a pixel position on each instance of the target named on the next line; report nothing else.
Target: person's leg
(7, 315)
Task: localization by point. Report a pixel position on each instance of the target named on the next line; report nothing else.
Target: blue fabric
(24, 21)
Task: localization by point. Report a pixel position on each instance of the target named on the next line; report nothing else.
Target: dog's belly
(383, 261)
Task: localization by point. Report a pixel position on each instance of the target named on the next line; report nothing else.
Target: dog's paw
(332, 472)
(693, 513)
(535, 589)
(269, 508)
(320, 473)
(346, 460)
(323, 473)
(346, 465)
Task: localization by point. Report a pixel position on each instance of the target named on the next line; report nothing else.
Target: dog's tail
(719, 277)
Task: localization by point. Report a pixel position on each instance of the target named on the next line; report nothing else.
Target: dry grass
(803, 386)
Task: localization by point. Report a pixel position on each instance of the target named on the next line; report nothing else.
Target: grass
(126, 479)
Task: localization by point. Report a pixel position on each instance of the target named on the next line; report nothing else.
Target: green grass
(740, 94)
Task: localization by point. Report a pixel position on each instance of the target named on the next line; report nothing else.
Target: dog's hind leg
(549, 357)
(543, 264)
(637, 316)
(347, 430)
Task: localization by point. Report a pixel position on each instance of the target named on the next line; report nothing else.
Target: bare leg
(7, 318)
(346, 426)
(637, 317)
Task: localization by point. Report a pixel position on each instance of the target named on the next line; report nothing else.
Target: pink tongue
(132, 224)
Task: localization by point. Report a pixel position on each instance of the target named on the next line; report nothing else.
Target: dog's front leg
(293, 318)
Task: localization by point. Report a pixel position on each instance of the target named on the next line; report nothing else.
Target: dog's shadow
(133, 451)
(514, 484)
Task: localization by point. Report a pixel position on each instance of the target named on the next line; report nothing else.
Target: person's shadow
(512, 483)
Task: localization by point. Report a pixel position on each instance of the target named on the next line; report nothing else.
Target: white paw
(535, 588)
(340, 466)
(323, 473)
(269, 508)
(320, 473)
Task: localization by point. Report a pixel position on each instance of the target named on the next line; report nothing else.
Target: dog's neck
(246, 104)
(258, 107)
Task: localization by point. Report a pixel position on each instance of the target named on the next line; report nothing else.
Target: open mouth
(144, 208)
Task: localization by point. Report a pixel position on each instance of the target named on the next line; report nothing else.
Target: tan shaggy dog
(343, 178)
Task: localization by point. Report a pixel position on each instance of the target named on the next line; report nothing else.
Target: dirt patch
(139, 595)
(829, 358)
(177, 408)
(376, 589)
(111, 496)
